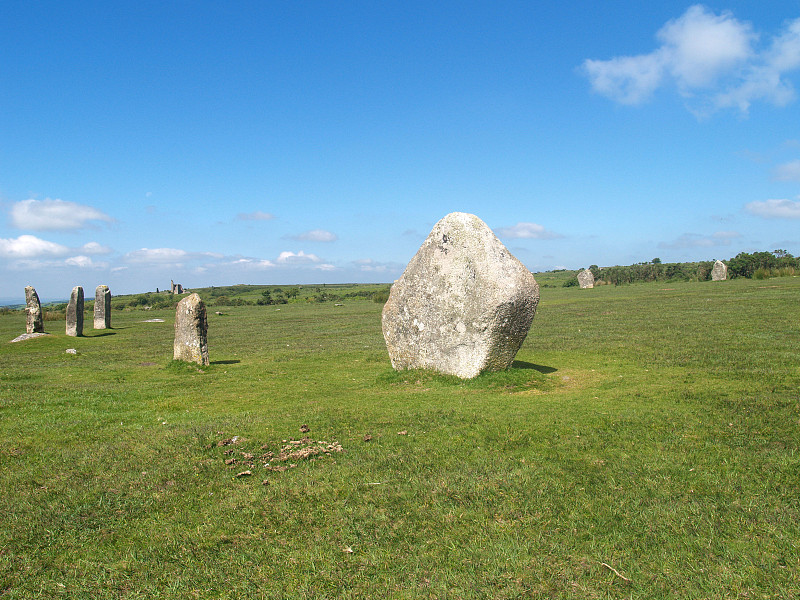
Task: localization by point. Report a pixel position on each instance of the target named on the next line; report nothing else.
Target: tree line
(756, 265)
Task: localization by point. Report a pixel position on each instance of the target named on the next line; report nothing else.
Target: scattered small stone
(153, 321)
(367, 437)
(404, 432)
(347, 550)
(219, 313)
(71, 351)
(230, 461)
(304, 429)
(265, 482)
(244, 474)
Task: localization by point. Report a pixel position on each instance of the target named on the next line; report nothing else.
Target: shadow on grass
(521, 364)
(96, 335)
(225, 362)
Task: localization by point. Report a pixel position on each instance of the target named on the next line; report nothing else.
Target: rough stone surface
(463, 305)
(719, 272)
(28, 336)
(34, 318)
(586, 279)
(191, 331)
(102, 307)
(75, 312)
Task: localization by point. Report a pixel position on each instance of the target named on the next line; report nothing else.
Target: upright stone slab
(463, 305)
(586, 279)
(720, 271)
(34, 319)
(191, 331)
(75, 312)
(102, 307)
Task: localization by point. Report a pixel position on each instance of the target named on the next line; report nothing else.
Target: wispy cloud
(787, 172)
(315, 235)
(527, 231)
(694, 240)
(709, 58)
(257, 215)
(774, 209)
(54, 215)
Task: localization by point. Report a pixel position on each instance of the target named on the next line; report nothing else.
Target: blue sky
(216, 143)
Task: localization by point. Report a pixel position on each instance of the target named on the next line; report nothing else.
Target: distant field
(644, 445)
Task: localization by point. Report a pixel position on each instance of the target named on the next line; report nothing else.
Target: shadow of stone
(104, 334)
(224, 362)
(521, 364)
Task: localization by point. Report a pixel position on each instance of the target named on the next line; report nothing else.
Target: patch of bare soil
(274, 457)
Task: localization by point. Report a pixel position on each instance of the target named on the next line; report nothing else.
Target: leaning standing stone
(75, 312)
(102, 307)
(720, 271)
(463, 305)
(191, 331)
(586, 279)
(34, 319)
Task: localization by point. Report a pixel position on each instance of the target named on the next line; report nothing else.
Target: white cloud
(372, 266)
(157, 256)
(29, 246)
(315, 235)
(84, 262)
(298, 258)
(53, 215)
(251, 264)
(527, 231)
(774, 209)
(95, 248)
(257, 215)
(787, 172)
(708, 57)
(694, 240)
(326, 267)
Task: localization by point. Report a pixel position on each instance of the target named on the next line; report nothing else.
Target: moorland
(644, 444)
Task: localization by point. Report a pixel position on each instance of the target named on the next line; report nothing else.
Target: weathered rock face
(719, 272)
(191, 331)
(75, 312)
(464, 304)
(586, 279)
(34, 318)
(102, 307)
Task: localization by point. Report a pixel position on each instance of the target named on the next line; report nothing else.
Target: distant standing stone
(102, 307)
(75, 312)
(463, 305)
(586, 279)
(191, 331)
(34, 319)
(720, 271)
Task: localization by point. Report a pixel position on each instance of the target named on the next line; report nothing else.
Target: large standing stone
(586, 279)
(75, 312)
(720, 271)
(34, 319)
(191, 331)
(102, 307)
(463, 305)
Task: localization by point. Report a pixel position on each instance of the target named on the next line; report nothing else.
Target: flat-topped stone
(75, 312)
(463, 305)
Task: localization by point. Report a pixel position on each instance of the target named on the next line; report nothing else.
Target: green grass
(652, 428)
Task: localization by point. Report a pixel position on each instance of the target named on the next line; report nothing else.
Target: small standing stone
(34, 319)
(720, 271)
(75, 312)
(586, 279)
(191, 331)
(102, 307)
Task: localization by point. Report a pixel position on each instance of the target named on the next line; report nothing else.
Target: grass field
(645, 445)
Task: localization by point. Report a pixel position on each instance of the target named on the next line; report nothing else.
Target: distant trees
(757, 265)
